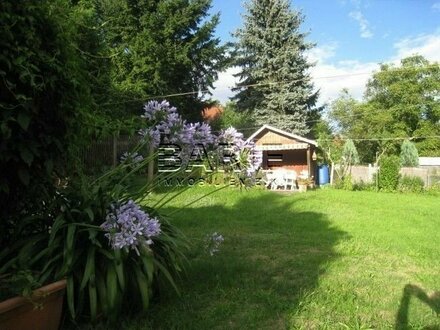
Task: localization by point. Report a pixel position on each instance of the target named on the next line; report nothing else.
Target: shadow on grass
(433, 301)
(273, 255)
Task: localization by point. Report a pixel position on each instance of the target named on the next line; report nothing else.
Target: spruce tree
(270, 50)
(409, 157)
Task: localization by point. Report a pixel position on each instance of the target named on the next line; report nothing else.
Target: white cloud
(436, 6)
(322, 53)
(427, 45)
(225, 82)
(363, 24)
(331, 76)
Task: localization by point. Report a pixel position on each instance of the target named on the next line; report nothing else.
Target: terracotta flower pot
(41, 312)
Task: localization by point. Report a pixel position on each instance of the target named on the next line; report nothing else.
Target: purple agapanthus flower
(213, 242)
(164, 121)
(128, 226)
(131, 158)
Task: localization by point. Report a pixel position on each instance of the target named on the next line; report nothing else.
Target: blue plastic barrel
(323, 175)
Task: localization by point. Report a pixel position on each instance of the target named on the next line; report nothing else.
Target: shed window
(274, 157)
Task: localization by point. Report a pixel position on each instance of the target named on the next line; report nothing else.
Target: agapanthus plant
(166, 126)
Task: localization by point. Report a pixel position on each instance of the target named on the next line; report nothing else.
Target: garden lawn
(326, 259)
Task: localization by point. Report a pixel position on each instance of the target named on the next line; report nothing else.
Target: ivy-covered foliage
(43, 94)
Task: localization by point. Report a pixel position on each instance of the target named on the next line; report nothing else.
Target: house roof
(211, 113)
(429, 161)
(279, 131)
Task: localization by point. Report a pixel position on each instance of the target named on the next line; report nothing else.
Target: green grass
(326, 259)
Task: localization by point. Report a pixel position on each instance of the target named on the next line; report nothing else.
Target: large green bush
(389, 167)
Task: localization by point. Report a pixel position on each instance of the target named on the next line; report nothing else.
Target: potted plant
(304, 183)
(28, 305)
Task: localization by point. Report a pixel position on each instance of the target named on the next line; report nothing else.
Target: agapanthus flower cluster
(155, 111)
(231, 136)
(198, 133)
(131, 158)
(128, 226)
(213, 242)
(165, 123)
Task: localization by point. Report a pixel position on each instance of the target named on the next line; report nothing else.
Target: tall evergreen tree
(271, 53)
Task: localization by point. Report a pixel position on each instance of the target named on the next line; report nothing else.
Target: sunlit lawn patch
(322, 260)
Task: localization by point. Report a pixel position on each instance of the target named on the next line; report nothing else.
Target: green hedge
(389, 168)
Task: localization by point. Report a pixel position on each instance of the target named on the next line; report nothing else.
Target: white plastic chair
(290, 179)
(277, 179)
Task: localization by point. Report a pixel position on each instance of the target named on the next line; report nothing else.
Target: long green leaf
(148, 266)
(143, 286)
(167, 274)
(112, 288)
(27, 251)
(89, 270)
(102, 292)
(57, 224)
(41, 254)
(93, 299)
(119, 267)
(106, 254)
(70, 241)
(89, 212)
(71, 296)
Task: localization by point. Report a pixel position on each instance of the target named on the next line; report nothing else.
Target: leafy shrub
(389, 167)
(364, 186)
(344, 183)
(434, 189)
(411, 184)
(347, 183)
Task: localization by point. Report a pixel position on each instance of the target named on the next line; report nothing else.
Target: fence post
(150, 169)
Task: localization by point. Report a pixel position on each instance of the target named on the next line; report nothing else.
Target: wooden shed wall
(291, 159)
(274, 138)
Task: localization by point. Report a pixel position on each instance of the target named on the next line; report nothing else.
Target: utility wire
(266, 84)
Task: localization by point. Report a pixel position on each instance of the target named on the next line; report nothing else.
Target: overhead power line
(277, 83)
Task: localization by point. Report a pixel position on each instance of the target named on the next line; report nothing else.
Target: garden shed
(284, 150)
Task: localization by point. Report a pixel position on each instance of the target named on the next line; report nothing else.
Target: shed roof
(279, 131)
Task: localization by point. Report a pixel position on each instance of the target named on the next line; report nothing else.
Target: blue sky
(351, 37)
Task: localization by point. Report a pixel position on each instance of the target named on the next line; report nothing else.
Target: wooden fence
(429, 175)
(107, 152)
